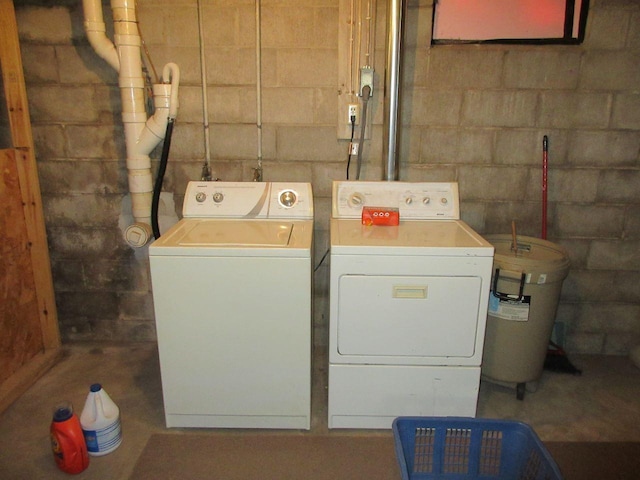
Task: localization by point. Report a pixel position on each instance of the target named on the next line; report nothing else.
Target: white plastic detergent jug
(100, 421)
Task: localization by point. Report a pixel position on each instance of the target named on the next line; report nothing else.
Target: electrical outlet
(353, 148)
(354, 111)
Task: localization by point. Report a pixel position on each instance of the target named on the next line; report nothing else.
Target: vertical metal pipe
(395, 9)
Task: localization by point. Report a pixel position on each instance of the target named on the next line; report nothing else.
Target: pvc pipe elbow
(171, 72)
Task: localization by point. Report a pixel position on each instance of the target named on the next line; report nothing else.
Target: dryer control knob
(408, 200)
(356, 200)
(218, 197)
(426, 200)
(288, 198)
(201, 197)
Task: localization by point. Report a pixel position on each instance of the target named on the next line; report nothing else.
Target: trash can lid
(534, 255)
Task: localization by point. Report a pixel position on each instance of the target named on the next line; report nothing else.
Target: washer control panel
(415, 201)
(248, 200)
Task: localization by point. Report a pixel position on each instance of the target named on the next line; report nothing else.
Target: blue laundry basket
(457, 448)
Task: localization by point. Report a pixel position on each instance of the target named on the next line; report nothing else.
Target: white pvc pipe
(96, 32)
(142, 135)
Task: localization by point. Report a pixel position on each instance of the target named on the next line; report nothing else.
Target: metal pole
(392, 86)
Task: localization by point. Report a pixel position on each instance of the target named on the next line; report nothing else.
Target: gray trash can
(524, 298)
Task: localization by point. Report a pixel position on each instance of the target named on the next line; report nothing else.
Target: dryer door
(408, 316)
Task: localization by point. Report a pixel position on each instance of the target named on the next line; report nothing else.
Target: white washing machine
(232, 285)
(408, 305)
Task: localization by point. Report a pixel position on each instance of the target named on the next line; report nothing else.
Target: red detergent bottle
(67, 440)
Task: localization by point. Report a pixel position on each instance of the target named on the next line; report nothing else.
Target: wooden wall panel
(29, 334)
(21, 337)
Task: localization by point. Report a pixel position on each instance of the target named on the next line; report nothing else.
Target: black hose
(366, 94)
(164, 158)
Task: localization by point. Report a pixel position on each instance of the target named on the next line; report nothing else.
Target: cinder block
(493, 183)
(309, 143)
(221, 25)
(620, 343)
(39, 63)
(60, 177)
(299, 102)
(452, 66)
(94, 141)
(289, 26)
(80, 64)
(619, 186)
(180, 27)
(132, 330)
(299, 67)
(136, 305)
(589, 220)
(574, 110)
(490, 108)
(499, 217)
(124, 275)
(74, 243)
(626, 111)
(569, 185)
(83, 210)
(433, 108)
(52, 103)
(614, 255)
(586, 343)
(597, 286)
(68, 274)
(233, 141)
(49, 141)
(606, 148)
(287, 172)
(608, 28)
(610, 70)
(537, 68)
(521, 147)
(632, 222)
(456, 146)
(35, 24)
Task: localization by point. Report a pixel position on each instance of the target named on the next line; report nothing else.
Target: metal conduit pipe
(395, 28)
(142, 135)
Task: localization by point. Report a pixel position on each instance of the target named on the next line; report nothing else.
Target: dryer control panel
(248, 200)
(415, 201)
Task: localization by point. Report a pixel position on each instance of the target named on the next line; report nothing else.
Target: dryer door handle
(410, 291)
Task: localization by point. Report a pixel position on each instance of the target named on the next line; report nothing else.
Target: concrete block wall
(475, 114)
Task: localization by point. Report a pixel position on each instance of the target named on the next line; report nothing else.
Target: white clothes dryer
(408, 305)
(232, 285)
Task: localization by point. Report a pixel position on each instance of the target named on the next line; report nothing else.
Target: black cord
(321, 260)
(160, 177)
(353, 126)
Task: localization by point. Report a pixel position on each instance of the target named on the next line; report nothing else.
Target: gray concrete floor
(601, 405)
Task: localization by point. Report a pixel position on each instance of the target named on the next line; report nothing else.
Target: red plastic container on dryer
(67, 440)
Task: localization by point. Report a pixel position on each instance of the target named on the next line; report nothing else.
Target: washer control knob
(201, 197)
(356, 200)
(288, 198)
(218, 197)
(426, 200)
(444, 200)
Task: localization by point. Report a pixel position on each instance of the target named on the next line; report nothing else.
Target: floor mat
(267, 456)
(282, 456)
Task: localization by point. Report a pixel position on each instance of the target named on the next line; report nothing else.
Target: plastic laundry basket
(470, 448)
(522, 308)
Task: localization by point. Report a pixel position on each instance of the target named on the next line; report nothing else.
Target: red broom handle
(545, 161)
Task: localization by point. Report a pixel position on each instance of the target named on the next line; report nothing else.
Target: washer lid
(235, 234)
(234, 237)
(419, 237)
